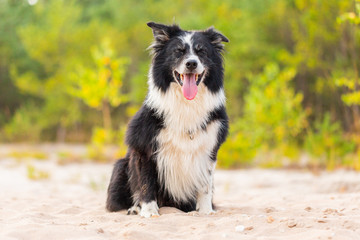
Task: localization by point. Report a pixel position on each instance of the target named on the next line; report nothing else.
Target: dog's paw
(134, 210)
(206, 211)
(204, 204)
(150, 209)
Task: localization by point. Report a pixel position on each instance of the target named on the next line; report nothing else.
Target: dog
(174, 138)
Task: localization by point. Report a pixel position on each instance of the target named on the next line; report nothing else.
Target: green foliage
(23, 126)
(100, 137)
(273, 112)
(352, 96)
(273, 117)
(28, 155)
(49, 40)
(288, 65)
(13, 14)
(34, 173)
(64, 158)
(328, 144)
(351, 17)
(102, 82)
(237, 151)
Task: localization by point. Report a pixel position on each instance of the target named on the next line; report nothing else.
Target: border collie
(174, 138)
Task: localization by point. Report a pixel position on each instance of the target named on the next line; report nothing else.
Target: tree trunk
(107, 119)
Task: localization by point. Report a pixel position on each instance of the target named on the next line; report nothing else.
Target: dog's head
(188, 58)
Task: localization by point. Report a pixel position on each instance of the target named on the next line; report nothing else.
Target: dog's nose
(191, 65)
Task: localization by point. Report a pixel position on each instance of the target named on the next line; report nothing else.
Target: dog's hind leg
(119, 195)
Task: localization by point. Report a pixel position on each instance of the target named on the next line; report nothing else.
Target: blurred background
(75, 72)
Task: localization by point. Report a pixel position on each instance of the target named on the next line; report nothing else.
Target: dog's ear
(163, 33)
(216, 38)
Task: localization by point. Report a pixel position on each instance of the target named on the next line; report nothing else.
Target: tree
(99, 86)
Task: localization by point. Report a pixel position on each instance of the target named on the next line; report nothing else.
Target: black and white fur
(173, 142)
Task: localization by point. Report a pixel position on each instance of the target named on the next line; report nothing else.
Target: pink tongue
(189, 87)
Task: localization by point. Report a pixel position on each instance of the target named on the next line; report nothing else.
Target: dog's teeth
(182, 76)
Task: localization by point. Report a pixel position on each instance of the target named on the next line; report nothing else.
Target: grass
(36, 174)
(64, 158)
(29, 154)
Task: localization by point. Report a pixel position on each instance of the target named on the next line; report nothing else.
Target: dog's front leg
(204, 197)
(148, 189)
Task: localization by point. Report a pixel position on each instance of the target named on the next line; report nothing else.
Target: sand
(251, 204)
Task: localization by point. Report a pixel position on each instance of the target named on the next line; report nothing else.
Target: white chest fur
(184, 164)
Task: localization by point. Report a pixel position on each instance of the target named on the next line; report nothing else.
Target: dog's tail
(119, 195)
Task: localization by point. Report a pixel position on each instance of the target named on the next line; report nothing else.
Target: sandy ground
(252, 204)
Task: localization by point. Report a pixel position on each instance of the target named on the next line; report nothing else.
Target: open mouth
(180, 77)
(189, 83)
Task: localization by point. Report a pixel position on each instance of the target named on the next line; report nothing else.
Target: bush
(24, 125)
(273, 117)
(328, 144)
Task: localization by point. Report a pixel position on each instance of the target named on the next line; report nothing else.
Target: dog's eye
(200, 50)
(179, 52)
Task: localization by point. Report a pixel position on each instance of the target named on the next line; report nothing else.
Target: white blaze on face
(187, 40)
(189, 77)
